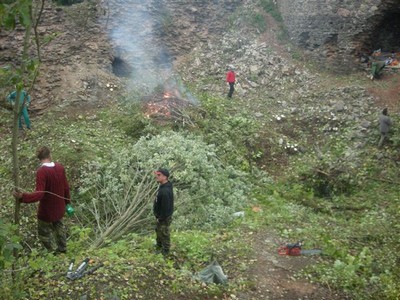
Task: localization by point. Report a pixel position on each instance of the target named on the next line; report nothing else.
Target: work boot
(57, 252)
(157, 248)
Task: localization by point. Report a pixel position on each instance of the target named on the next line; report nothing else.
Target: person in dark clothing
(384, 126)
(163, 209)
(231, 79)
(53, 194)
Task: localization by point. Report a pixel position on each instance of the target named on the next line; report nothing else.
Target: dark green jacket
(164, 203)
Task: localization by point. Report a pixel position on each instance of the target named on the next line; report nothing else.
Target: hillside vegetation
(294, 151)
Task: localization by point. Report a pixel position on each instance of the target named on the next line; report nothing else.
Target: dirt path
(274, 275)
(387, 90)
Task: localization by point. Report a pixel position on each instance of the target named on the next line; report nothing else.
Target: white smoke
(132, 25)
(131, 29)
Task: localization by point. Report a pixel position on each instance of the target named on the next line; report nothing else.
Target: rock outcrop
(76, 58)
(337, 32)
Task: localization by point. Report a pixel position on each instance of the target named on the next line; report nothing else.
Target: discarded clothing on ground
(212, 274)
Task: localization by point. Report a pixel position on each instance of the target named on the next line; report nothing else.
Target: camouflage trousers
(163, 235)
(53, 232)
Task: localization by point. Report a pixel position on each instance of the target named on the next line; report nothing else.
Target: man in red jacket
(52, 192)
(231, 78)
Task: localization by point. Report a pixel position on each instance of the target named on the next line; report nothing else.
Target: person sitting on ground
(377, 68)
(24, 101)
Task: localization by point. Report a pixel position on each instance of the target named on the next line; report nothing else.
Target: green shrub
(8, 243)
(234, 134)
(331, 176)
(272, 9)
(195, 245)
(351, 274)
(132, 121)
(207, 191)
(258, 21)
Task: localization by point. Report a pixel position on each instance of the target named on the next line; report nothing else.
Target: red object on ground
(290, 250)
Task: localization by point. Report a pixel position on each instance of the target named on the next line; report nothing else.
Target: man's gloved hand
(69, 210)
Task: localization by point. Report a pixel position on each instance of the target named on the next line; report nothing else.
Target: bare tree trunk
(17, 108)
(39, 15)
(17, 112)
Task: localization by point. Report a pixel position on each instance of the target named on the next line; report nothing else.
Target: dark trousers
(231, 89)
(163, 234)
(382, 139)
(48, 232)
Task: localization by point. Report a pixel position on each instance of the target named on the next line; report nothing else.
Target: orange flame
(163, 107)
(167, 95)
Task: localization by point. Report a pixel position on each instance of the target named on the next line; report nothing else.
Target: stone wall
(336, 32)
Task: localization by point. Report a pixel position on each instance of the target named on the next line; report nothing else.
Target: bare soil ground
(274, 275)
(387, 91)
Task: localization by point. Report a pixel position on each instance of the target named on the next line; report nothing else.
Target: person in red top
(52, 192)
(231, 79)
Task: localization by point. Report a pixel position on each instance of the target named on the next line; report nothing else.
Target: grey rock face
(337, 32)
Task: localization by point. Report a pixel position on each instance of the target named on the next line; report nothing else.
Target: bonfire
(167, 106)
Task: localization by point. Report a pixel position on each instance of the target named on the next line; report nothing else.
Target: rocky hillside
(76, 58)
(291, 95)
(336, 32)
(94, 52)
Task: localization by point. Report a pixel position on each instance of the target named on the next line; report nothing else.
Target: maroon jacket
(52, 192)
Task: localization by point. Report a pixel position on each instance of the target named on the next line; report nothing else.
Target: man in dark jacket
(163, 209)
(384, 126)
(52, 192)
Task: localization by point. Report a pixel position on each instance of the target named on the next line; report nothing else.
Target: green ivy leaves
(18, 10)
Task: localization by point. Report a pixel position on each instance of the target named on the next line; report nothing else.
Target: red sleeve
(40, 189)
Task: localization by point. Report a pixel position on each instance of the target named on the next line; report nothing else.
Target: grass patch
(258, 21)
(272, 9)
